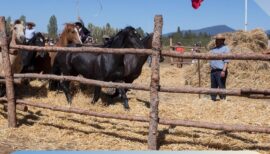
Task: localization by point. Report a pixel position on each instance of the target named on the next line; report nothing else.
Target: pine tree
(140, 31)
(8, 26)
(52, 27)
(23, 18)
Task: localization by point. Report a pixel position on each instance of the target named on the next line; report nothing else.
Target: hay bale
(241, 73)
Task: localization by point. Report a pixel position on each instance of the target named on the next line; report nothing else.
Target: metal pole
(246, 14)
(199, 74)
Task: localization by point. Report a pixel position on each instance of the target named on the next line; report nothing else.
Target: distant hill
(209, 30)
(268, 32)
(214, 30)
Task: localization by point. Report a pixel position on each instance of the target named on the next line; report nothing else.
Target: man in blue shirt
(30, 31)
(219, 68)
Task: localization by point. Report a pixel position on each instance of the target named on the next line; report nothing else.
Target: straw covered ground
(41, 129)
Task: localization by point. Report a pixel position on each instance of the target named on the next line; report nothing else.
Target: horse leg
(97, 91)
(2, 90)
(53, 84)
(65, 86)
(124, 97)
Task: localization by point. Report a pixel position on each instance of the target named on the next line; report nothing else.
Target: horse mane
(121, 32)
(146, 39)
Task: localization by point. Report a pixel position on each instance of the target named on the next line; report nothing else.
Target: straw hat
(30, 23)
(219, 37)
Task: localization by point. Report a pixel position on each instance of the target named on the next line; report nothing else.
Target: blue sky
(138, 13)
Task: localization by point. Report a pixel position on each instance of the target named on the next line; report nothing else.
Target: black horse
(103, 67)
(29, 59)
(133, 64)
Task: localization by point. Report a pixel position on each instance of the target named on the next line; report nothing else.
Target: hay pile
(41, 129)
(242, 74)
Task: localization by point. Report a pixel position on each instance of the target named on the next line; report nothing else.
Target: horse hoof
(106, 104)
(127, 108)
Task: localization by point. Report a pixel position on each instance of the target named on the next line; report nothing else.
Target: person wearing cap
(219, 68)
(83, 31)
(30, 31)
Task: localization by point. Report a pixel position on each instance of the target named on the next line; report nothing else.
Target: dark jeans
(218, 82)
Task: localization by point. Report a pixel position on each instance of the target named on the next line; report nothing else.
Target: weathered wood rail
(154, 86)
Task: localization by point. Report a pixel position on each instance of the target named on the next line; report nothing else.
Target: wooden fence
(154, 88)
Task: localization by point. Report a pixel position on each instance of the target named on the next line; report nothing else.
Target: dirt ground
(41, 129)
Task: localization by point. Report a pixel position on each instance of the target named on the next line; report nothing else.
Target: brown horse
(70, 35)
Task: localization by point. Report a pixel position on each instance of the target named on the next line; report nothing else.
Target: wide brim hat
(30, 23)
(219, 37)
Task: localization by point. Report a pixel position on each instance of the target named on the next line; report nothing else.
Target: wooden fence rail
(84, 49)
(191, 90)
(163, 121)
(208, 56)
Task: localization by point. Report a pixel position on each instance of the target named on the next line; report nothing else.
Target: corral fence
(154, 88)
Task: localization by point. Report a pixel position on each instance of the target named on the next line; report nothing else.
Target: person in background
(219, 68)
(83, 31)
(29, 31)
(106, 39)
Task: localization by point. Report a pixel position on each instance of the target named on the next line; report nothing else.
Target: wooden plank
(8, 75)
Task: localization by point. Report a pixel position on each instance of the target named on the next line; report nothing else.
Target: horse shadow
(146, 103)
(251, 144)
(28, 91)
(30, 118)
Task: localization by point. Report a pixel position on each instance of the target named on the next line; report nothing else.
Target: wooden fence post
(8, 75)
(154, 87)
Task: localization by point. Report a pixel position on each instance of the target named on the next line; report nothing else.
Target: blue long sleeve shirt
(219, 64)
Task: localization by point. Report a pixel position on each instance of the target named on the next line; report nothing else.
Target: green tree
(23, 18)
(52, 27)
(8, 26)
(98, 32)
(140, 31)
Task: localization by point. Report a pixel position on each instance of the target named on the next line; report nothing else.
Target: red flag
(196, 3)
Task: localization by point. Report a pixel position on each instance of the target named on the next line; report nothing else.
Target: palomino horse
(15, 60)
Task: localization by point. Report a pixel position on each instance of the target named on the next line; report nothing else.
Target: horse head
(70, 35)
(147, 41)
(126, 38)
(39, 40)
(18, 30)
